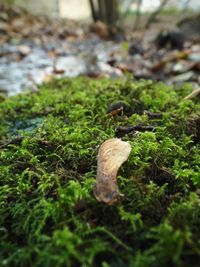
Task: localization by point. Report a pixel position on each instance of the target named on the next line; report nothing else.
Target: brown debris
(121, 131)
(153, 115)
(101, 29)
(115, 109)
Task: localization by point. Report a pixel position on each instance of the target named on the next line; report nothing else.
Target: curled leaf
(112, 154)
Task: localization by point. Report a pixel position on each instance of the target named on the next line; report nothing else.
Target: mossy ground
(49, 145)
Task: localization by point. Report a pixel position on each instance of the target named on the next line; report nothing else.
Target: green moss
(49, 145)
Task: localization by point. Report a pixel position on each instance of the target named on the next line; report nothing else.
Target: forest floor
(37, 49)
(50, 138)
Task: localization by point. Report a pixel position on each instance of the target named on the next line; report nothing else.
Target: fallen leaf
(24, 50)
(58, 71)
(183, 77)
(112, 154)
(101, 29)
(48, 78)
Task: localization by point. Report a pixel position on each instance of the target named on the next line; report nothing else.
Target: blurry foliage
(10, 2)
(7, 1)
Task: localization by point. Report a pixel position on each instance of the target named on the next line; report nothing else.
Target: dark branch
(121, 131)
(155, 13)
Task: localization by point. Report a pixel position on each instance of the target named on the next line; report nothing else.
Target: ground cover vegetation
(49, 143)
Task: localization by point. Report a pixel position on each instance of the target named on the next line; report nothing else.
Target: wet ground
(24, 66)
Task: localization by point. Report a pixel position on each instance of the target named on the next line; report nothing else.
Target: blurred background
(149, 39)
(80, 9)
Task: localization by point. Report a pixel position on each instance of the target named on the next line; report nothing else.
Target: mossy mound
(48, 149)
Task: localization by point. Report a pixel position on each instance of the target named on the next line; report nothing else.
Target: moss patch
(48, 147)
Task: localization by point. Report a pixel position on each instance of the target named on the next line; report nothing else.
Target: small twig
(121, 131)
(15, 141)
(155, 13)
(46, 144)
(195, 93)
(152, 115)
(138, 14)
(115, 109)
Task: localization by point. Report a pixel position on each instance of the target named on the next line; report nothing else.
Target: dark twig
(121, 131)
(115, 109)
(138, 14)
(152, 115)
(155, 13)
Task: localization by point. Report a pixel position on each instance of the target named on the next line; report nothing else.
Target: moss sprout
(49, 142)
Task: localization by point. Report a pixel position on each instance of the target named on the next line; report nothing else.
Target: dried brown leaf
(112, 154)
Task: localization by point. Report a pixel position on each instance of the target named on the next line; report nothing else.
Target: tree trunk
(93, 11)
(106, 11)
